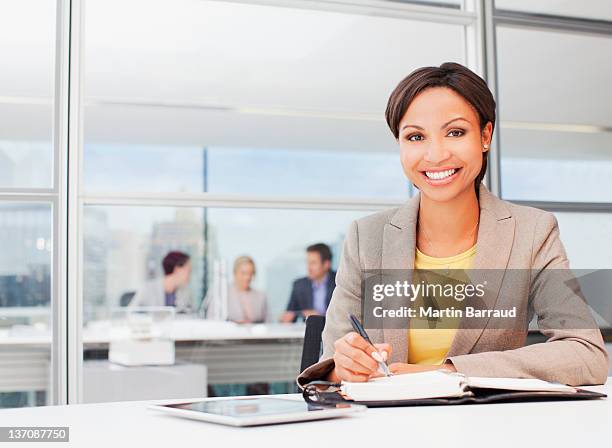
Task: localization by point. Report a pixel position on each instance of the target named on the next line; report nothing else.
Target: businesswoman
(443, 120)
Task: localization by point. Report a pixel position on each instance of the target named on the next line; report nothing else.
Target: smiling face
(441, 144)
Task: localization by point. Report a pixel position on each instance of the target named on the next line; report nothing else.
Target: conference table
(538, 424)
(231, 353)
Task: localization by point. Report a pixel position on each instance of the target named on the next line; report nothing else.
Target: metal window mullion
(553, 23)
(67, 356)
(27, 192)
(237, 201)
(381, 8)
(57, 385)
(27, 197)
(474, 40)
(74, 260)
(493, 178)
(568, 207)
(480, 57)
(59, 342)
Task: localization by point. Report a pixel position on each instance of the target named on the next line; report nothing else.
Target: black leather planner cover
(313, 394)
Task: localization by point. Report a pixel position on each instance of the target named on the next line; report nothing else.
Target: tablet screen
(248, 407)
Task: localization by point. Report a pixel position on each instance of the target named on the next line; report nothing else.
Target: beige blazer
(510, 236)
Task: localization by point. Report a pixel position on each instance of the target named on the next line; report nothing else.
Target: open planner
(441, 387)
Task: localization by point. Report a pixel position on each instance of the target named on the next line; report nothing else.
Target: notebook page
(518, 384)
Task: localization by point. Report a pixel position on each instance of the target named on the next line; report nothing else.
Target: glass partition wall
(229, 128)
(221, 143)
(555, 111)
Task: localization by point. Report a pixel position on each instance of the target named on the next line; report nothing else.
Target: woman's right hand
(354, 360)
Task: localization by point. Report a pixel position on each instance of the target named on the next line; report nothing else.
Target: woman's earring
(486, 146)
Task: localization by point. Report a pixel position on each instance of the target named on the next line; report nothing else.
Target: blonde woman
(245, 304)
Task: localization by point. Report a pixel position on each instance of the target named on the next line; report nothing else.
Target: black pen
(359, 329)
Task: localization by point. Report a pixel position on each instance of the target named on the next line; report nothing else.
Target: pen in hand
(376, 355)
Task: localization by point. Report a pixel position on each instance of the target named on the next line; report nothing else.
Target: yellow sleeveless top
(430, 345)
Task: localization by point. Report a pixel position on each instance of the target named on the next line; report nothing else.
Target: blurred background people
(171, 289)
(311, 295)
(245, 304)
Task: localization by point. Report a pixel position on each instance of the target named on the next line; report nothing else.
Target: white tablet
(255, 411)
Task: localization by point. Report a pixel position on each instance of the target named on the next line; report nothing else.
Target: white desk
(559, 424)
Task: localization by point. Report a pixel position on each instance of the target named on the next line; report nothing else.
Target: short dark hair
(322, 249)
(174, 259)
(455, 76)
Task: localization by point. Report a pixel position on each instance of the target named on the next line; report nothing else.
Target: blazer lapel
(399, 242)
(495, 239)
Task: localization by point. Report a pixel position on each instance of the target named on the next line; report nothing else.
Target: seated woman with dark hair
(171, 289)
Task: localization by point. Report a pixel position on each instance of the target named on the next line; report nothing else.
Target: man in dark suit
(311, 295)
